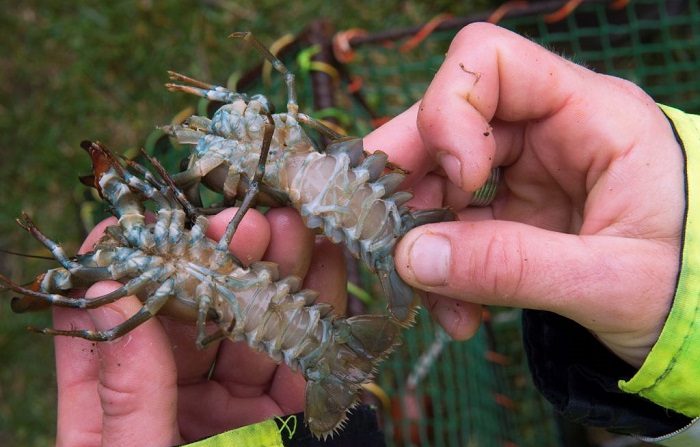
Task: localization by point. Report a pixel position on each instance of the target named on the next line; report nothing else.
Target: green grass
(95, 70)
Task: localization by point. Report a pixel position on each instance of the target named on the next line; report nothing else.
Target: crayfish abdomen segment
(355, 205)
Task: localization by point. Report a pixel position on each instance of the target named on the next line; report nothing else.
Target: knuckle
(631, 90)
(118, 399)
(504, 267)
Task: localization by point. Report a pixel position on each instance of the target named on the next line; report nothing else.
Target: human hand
(588, 219)
(152, 386)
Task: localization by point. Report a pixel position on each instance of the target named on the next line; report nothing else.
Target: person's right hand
(589, 218)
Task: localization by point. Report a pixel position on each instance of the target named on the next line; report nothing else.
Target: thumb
(605, 283)
(137, 382)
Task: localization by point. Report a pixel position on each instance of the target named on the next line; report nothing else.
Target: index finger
(489, 74)
(400, 140)
(533, 99)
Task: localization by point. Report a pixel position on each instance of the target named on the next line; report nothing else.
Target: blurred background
(95, 70)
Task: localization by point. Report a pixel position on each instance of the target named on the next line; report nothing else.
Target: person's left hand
(152, 386)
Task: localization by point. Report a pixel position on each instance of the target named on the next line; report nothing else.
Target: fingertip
(291, 242)
(454, 124)
(328, 275)
(400, 140)
(111, 314)
(428, 193)
(460, 319)
(252, 236)
(490, 76)
(466, 151)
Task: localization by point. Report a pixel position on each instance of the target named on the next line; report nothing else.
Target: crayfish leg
(253, 189)
(34, 292)
(267, 195)
(132, 287)
(206, 340)
(149, 309)
(321, 128)
(56, 250)
(108, 335)
(204, 297)
(203, 89)
(188, 180)
(277, 64)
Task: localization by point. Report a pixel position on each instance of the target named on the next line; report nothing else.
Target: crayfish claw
(25, 221)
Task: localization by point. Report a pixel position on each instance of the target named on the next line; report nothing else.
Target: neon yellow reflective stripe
(287, 425)
(670, 376)
(263, 434)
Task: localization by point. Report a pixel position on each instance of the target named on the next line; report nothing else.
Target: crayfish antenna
(277, 64)
(26, 255)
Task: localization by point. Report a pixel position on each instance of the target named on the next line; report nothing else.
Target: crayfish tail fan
(371, 336)
(336, 382)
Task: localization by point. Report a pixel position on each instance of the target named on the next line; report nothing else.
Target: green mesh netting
(479, 393)
(650, 42)
(472, 395)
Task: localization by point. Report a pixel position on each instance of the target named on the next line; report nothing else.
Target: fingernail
(452, 167)
(430, 259)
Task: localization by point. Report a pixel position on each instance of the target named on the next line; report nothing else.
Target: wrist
(664, 376)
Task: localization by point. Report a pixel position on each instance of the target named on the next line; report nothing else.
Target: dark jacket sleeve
(579, 376)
